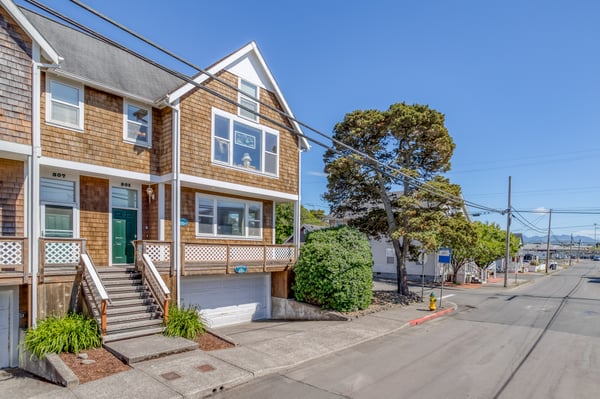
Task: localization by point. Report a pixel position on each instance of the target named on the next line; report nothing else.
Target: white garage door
(226, 300)
(8, 328)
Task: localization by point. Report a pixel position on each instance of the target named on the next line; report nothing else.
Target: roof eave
(47, 50)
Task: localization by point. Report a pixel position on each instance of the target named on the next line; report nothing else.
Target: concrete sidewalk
(262, 348)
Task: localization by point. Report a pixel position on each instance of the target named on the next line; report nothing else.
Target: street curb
(431, 316)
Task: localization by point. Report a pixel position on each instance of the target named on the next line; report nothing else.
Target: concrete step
(149, 347)
(132, 334)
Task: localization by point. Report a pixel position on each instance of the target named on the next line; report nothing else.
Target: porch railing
(152, 279)
(60, 256)
(236, 258)
(160, 252)
(13, 256)
(94, 293)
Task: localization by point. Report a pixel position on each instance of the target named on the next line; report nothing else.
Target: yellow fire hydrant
(432, 301)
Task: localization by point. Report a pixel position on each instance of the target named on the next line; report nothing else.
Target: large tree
(400, 147)
(491, 244)
(284, 220)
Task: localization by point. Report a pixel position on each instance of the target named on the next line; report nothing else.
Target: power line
(395, 170)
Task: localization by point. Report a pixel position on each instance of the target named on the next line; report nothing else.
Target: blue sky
(518, 81)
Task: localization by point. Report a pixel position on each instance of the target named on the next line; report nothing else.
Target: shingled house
(125, 188)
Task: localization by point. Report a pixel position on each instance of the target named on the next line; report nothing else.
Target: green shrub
(184, 322)
(335, 270)
(71, 333)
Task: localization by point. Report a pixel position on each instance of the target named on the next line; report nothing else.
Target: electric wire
(413, 181)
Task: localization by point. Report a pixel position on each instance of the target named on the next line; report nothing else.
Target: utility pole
(548, 242)
(571, 250)
(507, 234)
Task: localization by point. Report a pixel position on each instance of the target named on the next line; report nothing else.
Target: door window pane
(58, 221)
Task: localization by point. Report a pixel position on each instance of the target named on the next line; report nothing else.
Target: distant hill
(558, 239)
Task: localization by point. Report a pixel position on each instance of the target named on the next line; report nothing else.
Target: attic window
(137, 124)
(250, 90)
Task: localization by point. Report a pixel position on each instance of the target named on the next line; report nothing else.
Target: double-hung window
(226, 217)
(64, 104)
(245, 98)
(244, 145)
(58, 198)
(137, 124)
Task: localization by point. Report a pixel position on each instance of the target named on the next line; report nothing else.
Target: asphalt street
(538, 340)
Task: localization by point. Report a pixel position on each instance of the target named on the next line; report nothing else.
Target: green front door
(124, 231)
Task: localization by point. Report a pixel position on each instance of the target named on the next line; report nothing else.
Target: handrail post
(264, 257)
(182, 253)
(103, 317)
(166, 308)
(42, 260)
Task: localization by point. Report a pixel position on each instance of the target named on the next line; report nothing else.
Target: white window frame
(74, 205)
(245, 97)
(230, 163)
(49, 102)
(215, 202)
(126, 138)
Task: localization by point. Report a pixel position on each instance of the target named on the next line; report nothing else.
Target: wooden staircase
(132, 311)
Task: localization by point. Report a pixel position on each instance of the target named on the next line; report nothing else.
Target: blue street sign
(444, 255)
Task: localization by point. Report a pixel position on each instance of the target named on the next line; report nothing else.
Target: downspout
(297, 211)
(33, 195)
(176, 195)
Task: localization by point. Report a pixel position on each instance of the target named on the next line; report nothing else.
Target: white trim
(238, 189)
(18, 16)
(102, 171)
(161, 211)
(250, 48)
(17, 150)
(80, 107)
(126, 138)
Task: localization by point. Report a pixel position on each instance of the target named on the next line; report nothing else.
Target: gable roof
(248, 63)
(101, 64)
(47, 50)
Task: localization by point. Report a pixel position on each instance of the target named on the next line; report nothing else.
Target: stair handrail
(164, 294)
(90, 270)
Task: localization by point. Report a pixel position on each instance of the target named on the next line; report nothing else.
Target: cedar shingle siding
(12, 195)
(15, 82)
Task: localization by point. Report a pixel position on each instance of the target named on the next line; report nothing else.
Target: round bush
(335, 270)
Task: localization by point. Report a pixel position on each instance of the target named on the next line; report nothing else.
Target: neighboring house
(304, 230)
(99, 149)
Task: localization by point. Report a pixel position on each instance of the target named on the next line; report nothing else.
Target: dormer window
(250, 90)
(137, 124)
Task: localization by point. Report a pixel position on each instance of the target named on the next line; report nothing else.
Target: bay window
(226, 217)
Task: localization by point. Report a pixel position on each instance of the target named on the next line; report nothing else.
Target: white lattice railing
(60, 254)
(13, 254)
(160, 252)
(227, 256)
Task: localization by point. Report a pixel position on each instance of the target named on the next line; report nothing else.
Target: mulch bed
(105, 363)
